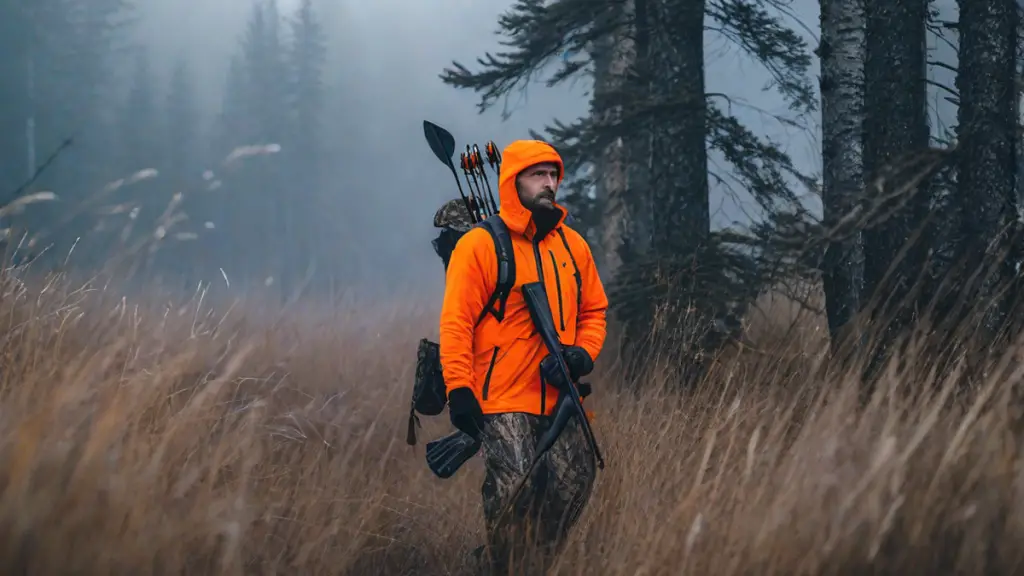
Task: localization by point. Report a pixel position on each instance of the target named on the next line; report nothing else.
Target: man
(493, 369)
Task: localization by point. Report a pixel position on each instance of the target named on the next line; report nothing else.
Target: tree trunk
(678, 186)
(667, 216)
(638, 225)
(679, 161)
(987, 147)
(842, 94)
(613, 58)
(895, 125)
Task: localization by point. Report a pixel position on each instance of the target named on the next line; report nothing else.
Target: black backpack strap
(496, 227)
(576, 268)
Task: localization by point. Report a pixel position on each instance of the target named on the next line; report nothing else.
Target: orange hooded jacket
(500, 362)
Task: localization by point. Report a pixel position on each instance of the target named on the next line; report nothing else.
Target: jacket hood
(516, 157)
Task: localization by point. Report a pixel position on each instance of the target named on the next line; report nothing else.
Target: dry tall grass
(169, 440)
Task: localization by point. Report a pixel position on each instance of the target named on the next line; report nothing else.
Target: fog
(377, 185)
(384, 61)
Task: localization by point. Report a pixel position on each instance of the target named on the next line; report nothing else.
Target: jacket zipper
(558, 286)
(540, 276)
(490, 369)
(576, 269)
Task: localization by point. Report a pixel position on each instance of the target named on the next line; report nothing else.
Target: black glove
(465, 412)
(579, 362)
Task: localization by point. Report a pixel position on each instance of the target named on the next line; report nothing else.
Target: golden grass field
(144, 438)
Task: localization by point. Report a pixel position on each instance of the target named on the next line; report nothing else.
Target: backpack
(429, 394)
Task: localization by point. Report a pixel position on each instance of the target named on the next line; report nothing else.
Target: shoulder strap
(496, 227)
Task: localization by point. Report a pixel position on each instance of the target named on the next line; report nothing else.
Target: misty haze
(248, 329)
(369, 196)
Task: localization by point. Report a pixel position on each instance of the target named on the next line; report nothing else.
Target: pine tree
(842, 94)
(181, 129)
(256, 114)
(598, 198)
(17, 43)
(895, 129)
(187, 251)
(139, 125)
(58, 84)
(307, 54)
(231, 128)
(987, 151)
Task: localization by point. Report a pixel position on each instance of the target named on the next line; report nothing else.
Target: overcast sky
(392, 52)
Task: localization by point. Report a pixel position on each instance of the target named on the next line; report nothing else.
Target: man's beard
(538, 202)
(546, 216)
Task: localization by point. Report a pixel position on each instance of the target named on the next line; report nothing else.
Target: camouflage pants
(533, 531)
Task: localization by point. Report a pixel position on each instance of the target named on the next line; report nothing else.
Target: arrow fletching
(493, 156)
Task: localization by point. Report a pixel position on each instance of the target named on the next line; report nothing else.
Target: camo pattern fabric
(429, 395)
(532, 532)
(453, 214)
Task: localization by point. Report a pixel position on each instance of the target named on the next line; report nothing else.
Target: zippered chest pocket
(577, 279)
(562, 311)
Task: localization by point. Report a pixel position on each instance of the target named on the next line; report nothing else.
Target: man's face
(537, 186)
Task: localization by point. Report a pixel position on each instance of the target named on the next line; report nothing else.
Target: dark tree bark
(895, 126)
(667, 195)
(679, 163)
(987, 150)
(614, 58)
(842, 99)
